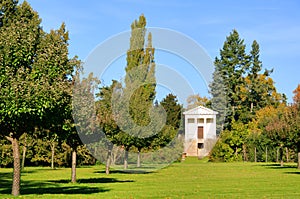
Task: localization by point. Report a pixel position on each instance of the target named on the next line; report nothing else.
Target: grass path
(189, 179)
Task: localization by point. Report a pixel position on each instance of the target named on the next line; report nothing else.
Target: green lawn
(190, 179)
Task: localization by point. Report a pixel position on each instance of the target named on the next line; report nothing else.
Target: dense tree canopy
(34, 70)
(239, 89)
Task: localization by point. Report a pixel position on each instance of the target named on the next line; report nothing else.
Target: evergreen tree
(239, 89)
(173, 110)
(219, 98)
(247, 89)
(258, 90)
(232, 65)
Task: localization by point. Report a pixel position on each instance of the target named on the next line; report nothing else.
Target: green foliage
(39, 154)
(221, 152)
(232, 64)
(34, 72)
(219, 99)
(239, 87)
(132, 105)
(140, 78)
(239, 90)
(6, 159)
(230, 145)
(127, 114)
(173, 110)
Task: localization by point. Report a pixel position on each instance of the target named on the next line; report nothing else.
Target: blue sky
(274, 24)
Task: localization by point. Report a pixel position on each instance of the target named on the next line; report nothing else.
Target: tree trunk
(73, 171)
(277, 155)
(255, 157)
(24, 153)
(138, 164)
(236, 151)
(126, 159)
(266, 154)
(52, 154)
(24, 156)
(298, 154)
(287, 154)
(108, 158)
(17, 166)
(281, 156)
(245, 153)
(281, 162)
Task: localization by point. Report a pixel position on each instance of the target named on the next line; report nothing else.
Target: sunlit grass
(189, 179)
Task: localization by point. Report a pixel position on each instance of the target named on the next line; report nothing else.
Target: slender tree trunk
(17, 166)
(138, 164)
(281, 156)
(24, 152)
(281, 162)
(126, 159)
(255, 157)
(298, 154)
(287, 154)
(245, 153)
(277, 155)
(298, 162)
(266, 154)
(73, 171)
(24, 156)
(108, 158)
(236, 151)
(52, 154)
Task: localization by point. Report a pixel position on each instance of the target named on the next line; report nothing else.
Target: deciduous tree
(133, 109)
(34, 67)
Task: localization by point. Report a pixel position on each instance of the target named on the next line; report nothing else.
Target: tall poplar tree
(133, 106)
(140, 73)
(140, 78)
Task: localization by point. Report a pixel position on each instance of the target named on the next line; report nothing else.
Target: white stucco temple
(200, 131)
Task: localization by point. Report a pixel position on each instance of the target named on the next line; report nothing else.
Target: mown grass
(189, 179)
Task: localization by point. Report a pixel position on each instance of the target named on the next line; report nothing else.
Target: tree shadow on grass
(52, 187)
(277, 166)
(93, 180)
(39, 188)
(129, 171)
(46, 188)
(294, 172)
(5, 181)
